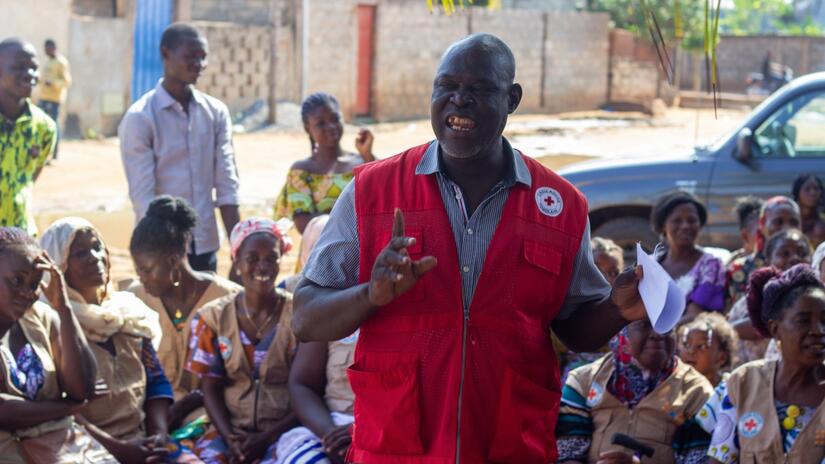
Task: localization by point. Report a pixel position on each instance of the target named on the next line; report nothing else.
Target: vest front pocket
(525, 422)
(387, 403)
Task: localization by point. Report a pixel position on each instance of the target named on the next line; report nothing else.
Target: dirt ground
(88, 179)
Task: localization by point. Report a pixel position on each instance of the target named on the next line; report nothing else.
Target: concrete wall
(561, 57)
(237, 11)
(634, 69)
(36, 20)
(100, 52)
(576, 65)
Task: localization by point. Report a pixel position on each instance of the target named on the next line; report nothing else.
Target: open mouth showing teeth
(261, 278)
(460, 124)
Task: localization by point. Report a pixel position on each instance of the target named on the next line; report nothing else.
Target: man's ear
(514, 98)
(164, 53)
(773, 327)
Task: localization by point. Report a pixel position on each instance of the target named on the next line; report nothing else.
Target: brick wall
(239, 59)
(740, 56)
(237, 11)
(634, 69)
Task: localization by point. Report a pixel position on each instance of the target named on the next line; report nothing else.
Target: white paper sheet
(663, 299)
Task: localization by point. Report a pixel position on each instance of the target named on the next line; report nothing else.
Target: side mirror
(744, 146)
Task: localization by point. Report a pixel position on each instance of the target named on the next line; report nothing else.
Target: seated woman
(170, 287)
(783, 250)
(772, 411)
(640, 389)
(708, 344)
(130, 420)
(314, 183)
(47, 370)
(777, 214)
(242, 348)
(678, 218)
(807, 192)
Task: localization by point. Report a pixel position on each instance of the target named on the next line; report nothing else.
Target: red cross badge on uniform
(750, 424)
(594, 395)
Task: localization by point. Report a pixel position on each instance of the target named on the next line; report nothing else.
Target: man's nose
(461, 97)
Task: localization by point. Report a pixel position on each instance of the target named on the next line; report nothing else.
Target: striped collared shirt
(334, 261)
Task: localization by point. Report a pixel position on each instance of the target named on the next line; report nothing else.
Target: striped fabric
(334, 261)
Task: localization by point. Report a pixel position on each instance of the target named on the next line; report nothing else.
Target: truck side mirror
(744, 146)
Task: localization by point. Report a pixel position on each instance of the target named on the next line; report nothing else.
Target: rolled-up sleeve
(138, 155)
(335, 259)
(226, 171)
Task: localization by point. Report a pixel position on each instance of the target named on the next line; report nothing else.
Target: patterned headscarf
(630, 382)
(255, 225)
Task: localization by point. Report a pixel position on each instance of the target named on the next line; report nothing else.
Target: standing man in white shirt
(176, 140)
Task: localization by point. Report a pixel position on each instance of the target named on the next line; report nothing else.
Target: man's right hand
(394, 272)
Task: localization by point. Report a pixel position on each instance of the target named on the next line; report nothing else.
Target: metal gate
(151, 18)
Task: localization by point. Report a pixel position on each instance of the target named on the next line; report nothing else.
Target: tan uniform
(120, 414)
(253, 404)
(61, 440)
(653, 421)
(338, 393)
(173, 347)
(750, 388)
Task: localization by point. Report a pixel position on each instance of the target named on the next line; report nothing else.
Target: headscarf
(255, 225)
(119, 311)
(767, 288)
(819, 256)
(769, 205)
(312, 233)
(630, 383)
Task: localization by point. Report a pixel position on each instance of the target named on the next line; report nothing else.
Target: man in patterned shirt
(27, 134)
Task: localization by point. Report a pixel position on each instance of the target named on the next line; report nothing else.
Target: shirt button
(469, 231)
(466, 268)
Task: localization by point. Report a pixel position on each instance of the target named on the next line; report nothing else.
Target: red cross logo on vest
(750, 424)
(549, 201)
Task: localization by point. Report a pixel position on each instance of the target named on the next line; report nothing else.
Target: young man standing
(176, 140)
(54, 83)
(27, 134)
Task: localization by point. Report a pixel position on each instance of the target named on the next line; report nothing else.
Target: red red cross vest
(432, 386)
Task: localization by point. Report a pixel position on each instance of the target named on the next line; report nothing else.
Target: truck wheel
(626, 231)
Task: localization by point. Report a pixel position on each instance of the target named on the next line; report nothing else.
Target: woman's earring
(176, 281)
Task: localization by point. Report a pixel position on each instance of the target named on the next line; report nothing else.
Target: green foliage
(748, 17)
(629, 14)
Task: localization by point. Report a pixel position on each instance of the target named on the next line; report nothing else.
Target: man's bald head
(10, 47)
(487, 44)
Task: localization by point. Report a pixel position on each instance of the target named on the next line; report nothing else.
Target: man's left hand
(625, 294)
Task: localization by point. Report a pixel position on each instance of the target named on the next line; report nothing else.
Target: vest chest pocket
(276, 375)
(537, 283)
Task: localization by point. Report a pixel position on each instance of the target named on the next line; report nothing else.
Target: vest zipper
(255, 406)
(461, 386)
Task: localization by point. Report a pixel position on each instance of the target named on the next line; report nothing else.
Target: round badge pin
(594, 396)
(750, 424)
(549, 201)
(225, 347)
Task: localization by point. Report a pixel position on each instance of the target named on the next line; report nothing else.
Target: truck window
(797, 129)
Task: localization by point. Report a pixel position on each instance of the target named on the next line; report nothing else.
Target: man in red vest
(455, 297)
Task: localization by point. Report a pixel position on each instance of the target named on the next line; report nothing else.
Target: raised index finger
(398, 224)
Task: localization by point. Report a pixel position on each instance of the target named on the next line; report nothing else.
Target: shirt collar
(24, 117)
(166, 100)
(431, 164)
